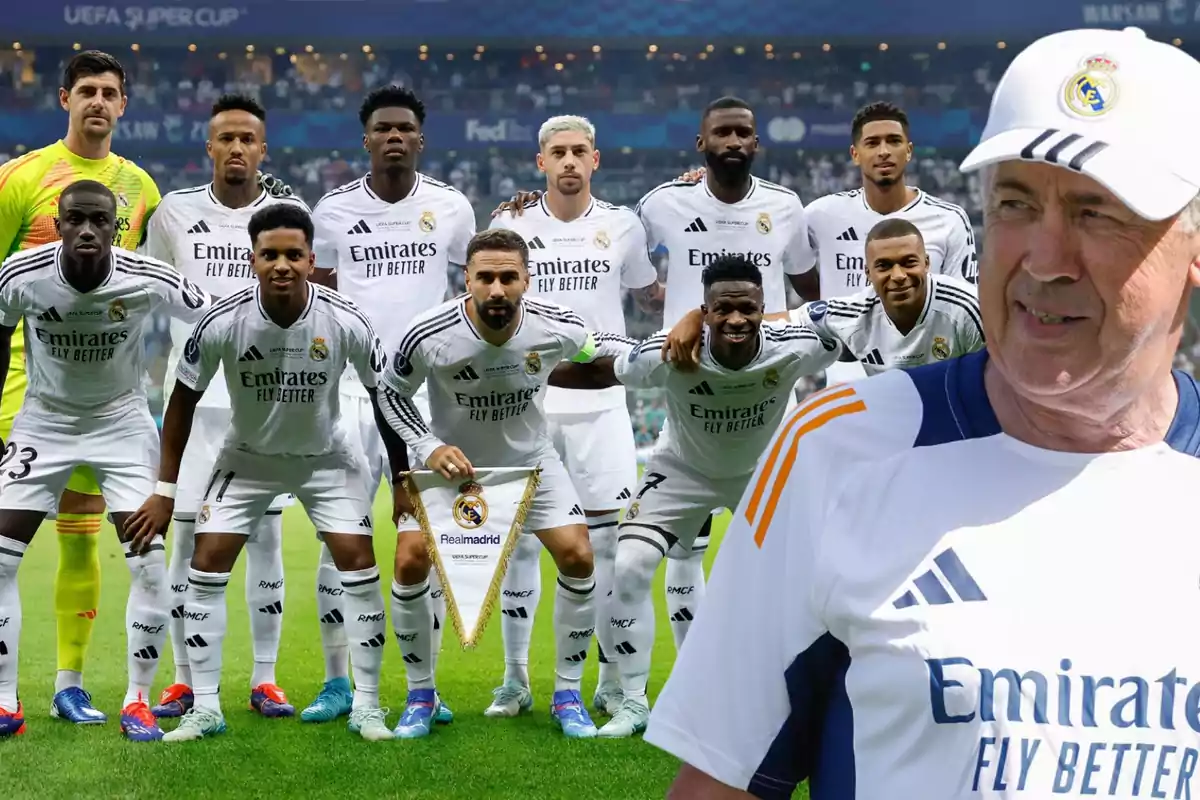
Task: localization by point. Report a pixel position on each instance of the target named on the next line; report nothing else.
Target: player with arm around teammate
(284, 438)
(201, 231)
(887, 649)
(908, 316)
(722, 416)
(582, 252)
(86, 305)
(511, 342)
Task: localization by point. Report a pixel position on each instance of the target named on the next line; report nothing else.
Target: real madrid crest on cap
(764, 223)
(427, 223)
(1093, 90)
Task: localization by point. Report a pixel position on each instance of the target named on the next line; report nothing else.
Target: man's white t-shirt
(692, 228)
(392, 259)
(209, 243)
(283, 382)
(584, 264)
(913, 604)
(483, 398)
(949, 326)
(838, 225)
(85, 351)
(721, 418)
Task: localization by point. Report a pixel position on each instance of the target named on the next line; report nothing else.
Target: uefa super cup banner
(471, 528)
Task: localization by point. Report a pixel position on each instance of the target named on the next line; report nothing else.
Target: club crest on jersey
(470, 509)
(318, 350)
(771, 379)
(427, 223)
(1093, 90)
(533, 364)
(763, 224)
(204, 514)
(633, 510)
(116, 311)
(941, 348)
(602, 241)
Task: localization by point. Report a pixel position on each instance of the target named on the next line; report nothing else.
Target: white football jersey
(916, 605)
(838, 225)
(209, 243)
(583, 265)
(721, 418)
(691, 228)
(85, 352)
(949, 326)
(486, 400)
(392, 259)
(283, 382)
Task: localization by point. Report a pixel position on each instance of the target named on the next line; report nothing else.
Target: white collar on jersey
(58, 267)
(708, 349)
(862, 195)
(312, 299)
(749, 194)
(365, 182)
(212, 198)
(546, 209)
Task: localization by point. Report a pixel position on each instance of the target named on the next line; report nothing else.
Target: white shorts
(358, 419)
(599, 453)
(243, 485)
(556, 503)
(672, 508)
(209, 427)
(44, 450)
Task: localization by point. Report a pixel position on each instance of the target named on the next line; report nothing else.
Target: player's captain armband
(587, 353)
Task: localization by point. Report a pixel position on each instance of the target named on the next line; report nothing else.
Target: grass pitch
(476, 757)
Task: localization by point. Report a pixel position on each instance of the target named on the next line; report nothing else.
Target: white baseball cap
(1113, 105)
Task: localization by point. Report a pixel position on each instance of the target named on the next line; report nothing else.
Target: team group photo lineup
(801, 420)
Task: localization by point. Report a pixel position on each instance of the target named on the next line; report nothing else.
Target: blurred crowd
(926, 76)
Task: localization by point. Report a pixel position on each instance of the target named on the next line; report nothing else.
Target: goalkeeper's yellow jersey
(29, 191)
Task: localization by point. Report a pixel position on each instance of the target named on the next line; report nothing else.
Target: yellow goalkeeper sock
(76, 586)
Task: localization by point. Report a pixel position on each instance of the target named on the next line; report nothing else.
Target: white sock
(330, 611)
(631, 614)
(685, 592)
(366, 625)
(204, 628)
(574, 626)
(412, 619)
(183, 544)
(11, 552)
(66, 678)
(603, 532)
(264, 595)
(519, 595)
(146, 616)
(437, 599)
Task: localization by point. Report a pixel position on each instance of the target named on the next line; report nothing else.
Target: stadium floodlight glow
(653, 48)
(739, 50)
(423, 56)
(222, 56)
(366, 48)
(134, 47)
(344, 56)
(558, 66)
(941, 45)
(539, 49)
(770, 48)
(1177, 42)
(280, 51)
(702, 56)
(796, 55)
(708, 48)
(595, 48)
(883, 46)
(16, 45)
(308, 48)
(78, 46)
(424, 48)
(1001, 45)
(449, 56)
(292, 58)
(827, 47)
(570, 56)
(191, 48)
(478, 56)
(249, 48)
(480, 48)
